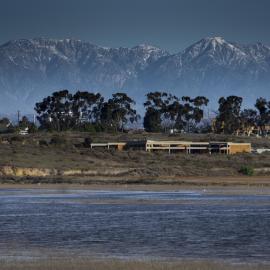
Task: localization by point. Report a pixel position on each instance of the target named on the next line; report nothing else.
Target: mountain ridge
(31, 69)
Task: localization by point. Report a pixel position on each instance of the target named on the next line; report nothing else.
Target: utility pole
(18, 114)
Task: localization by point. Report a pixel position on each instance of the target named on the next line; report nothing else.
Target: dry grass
(140, 165)
(85, 264)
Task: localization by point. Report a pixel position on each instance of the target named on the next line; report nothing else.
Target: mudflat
(225, 185)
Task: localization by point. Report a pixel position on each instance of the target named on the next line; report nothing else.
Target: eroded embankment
(109, 175)
(12, 171)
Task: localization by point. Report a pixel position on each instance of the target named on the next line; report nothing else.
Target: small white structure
(262, 150)
(24, 131)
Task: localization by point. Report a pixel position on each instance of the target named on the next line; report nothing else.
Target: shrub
(87, 127)
(32, 128)
(16, 139)
(58, 140)
(43, 143)
(247, 170)
(99, 128)
(87, 142)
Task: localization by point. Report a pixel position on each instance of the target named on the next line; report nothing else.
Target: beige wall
(240, 148)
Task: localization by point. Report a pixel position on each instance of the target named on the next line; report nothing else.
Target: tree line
(231, 119)
(90, 111)
(87, 111)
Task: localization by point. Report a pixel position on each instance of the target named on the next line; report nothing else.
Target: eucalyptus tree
(158, 106)
(263, 106)
(86, 106)
(118, 111)
(228, 119)
(191, 112)
(167, 110)
(55, 111)
(249, 120)
(187, 113)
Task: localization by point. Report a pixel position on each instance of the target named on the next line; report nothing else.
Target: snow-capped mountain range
(31, 69)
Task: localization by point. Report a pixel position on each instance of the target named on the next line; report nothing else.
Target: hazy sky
(170, 24)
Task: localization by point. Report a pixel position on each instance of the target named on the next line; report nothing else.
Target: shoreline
(123, 264)
(235, 185)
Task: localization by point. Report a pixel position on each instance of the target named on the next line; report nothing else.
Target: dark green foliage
(17, 138)
(32, 128)
(55, 112)
(247, 170)
(190, 113)
(228, 120)
(26, 124)
(89, 112)
(87, 142)
(249, 118)
(152, 120)
(157, 110)
(43, 143)
(85, 111)
(87, 127)
(166, 111)
(263, 106)
(87, 106)
(118, 111)
(58, 140)
(98, 127)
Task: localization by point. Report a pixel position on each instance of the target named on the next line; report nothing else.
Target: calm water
(135, 224)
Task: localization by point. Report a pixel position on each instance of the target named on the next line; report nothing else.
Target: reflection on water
(182, 224)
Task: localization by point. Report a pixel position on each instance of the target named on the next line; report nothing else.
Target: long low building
(179, 146)
(198, 147)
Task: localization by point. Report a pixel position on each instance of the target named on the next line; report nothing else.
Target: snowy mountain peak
(215, 40)
(149, 52)
(211, 43)
(33, 68)
(217, 50)
(146, 47)
(149, 49)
